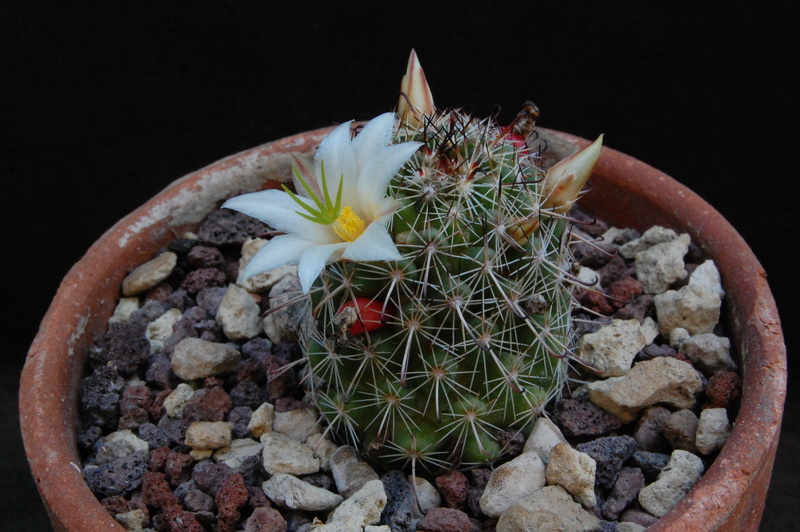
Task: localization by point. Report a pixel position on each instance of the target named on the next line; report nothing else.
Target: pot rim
(48, 414)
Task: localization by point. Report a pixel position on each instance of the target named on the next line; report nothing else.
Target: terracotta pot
(626, 193)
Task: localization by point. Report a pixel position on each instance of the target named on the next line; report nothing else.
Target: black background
(102, 105)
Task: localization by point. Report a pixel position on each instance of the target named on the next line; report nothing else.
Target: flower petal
(313, 260)
(375, 243)
(378, 171)
(277, 209)
(376, 135)
(279, 251)
(336, 151)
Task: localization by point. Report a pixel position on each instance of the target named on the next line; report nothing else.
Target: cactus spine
(439, 357)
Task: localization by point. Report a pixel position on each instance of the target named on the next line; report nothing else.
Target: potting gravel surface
(194, 418)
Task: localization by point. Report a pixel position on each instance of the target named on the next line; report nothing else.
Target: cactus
(440, 357)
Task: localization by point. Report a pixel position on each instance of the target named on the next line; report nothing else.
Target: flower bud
(565, 179)
(416, 99)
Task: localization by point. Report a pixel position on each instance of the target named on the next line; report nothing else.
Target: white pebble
(238, 314)
(177, 400)
(713, 430)
(661, 265)
(291, 492)
(574, 471)
(118, 444)
(298, 424)
(709, 352)
(205, 435)
(544, 436)
(610, 350)
(520, 477)
(159, 330)
(195, 358)
(427, 495)
(262, 419)
(693, 307)
(660, 380)
(149, 274)
(284, 455)
(550, 508)
(682, 472)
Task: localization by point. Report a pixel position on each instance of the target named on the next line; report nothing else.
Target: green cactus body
(475, 319)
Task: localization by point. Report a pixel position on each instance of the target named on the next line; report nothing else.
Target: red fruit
(369, 312)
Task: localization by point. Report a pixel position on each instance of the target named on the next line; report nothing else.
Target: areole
(625, 192)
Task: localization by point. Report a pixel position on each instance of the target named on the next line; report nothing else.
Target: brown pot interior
(625, 193)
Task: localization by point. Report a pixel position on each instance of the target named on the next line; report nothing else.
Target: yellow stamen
(348, 226)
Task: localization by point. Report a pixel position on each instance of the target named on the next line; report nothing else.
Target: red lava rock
(212, 382)
(208, 404)
(265, 519)
(205, 257)
(178, 467)
(231, 497)
(623, 292)
(578, 417)
(179, 520)
(156, 491)
(224, 226)
(118, 504)
(280, 380)
(723, 387)
(642, 307)
(158, 458)
(157, 409)
(454, 488)
(596, 301)
(445, 520)
(198, 279)
(161, 292)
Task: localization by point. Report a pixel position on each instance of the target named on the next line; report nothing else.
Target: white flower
(340, 211)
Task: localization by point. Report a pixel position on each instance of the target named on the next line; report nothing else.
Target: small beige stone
(682, 472)
(549, 509)
(118, 444)
(124, 309)
(239, 314)
(693, 307)
(544, 436)
(660, 265)
(362, 508)
(261, 420)
(133, 521)
(175, 402)
(713, 430)
(612, 348)
(291, 492)
(517, 478)
(574, 471)
(212, 435)
(282, 454)
(427, 495)
(159, 330)
(195, 358)
(298, 424)
(149, 274)
(201, 454)
(323, 449)
(660, 380)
